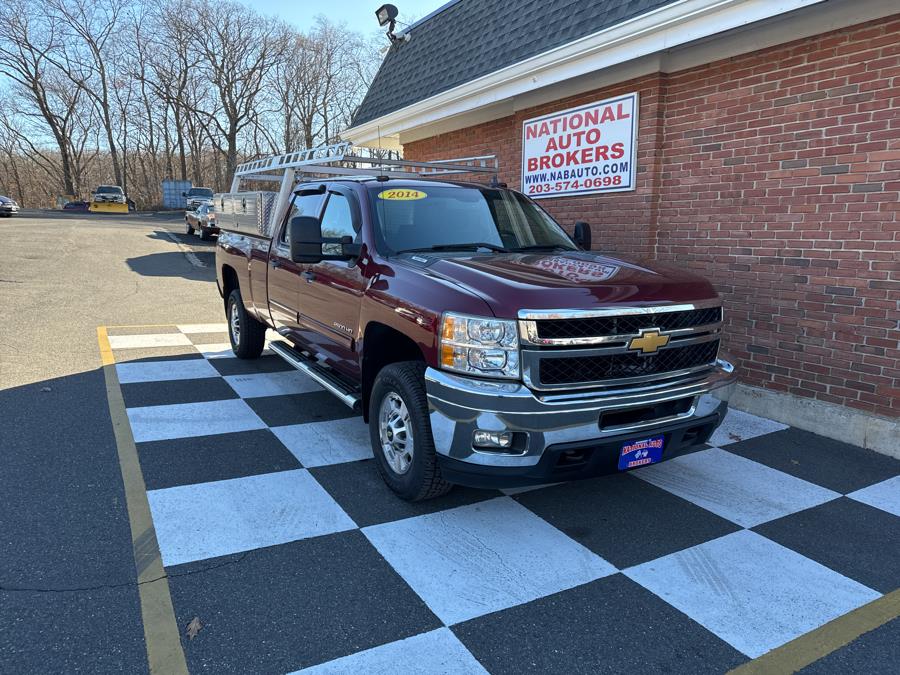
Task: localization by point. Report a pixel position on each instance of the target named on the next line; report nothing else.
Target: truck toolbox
(482, 343)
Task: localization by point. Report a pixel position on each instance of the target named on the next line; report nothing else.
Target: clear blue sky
(357, 14)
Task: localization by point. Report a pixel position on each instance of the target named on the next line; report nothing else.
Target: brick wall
(777, 175)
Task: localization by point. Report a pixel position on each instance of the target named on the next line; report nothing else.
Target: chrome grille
(557, 369)
(579, 349)
(555, 329)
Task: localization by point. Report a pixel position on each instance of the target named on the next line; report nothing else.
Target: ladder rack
(342, 160)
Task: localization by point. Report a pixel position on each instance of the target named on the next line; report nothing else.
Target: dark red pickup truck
(483, 345)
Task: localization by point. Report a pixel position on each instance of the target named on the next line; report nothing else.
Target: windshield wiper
(543, 247)
(474, 246)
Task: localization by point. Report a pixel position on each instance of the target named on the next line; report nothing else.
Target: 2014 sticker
(402, 195)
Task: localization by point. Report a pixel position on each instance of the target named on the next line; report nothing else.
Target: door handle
(274, 263)
(309, 276)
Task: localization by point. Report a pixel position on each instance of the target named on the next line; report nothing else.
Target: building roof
(467, 39)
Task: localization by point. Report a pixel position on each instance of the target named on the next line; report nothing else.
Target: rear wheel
(247, 335)
(205, 234)
(401, 434)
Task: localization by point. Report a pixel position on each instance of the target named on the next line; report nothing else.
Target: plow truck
(108, 199)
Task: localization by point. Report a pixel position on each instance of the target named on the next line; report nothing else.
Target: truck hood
(509, 282)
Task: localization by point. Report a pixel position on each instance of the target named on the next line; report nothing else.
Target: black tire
(205, 234)
(248, 337)
(422, 478)
(187, 227)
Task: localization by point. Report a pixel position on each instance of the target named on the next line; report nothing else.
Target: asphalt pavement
(272, 529)
(68, 600)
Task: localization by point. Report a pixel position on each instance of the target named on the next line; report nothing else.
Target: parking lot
(278, 541)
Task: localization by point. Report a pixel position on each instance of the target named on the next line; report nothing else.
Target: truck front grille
(558, 329)
(557, 369)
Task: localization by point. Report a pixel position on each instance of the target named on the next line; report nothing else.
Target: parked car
(202, 219)
(197, 196)
(483, 345)
(111, 194)
(77, 205)
(8, 207)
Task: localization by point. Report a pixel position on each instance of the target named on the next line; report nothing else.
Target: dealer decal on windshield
(402, 195)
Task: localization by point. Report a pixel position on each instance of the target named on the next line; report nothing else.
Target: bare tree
(27, 44)
(137, 91)
(239, 54)
(88, 27)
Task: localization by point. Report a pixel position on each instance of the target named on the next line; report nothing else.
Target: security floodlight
(386, 14)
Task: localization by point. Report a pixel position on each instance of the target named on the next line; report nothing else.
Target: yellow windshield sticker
(402, 195)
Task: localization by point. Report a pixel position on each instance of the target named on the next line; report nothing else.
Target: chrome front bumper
(460, 405)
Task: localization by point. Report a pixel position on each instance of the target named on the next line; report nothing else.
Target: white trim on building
(649, 43)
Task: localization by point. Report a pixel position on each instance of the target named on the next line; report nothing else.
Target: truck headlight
(480, 346)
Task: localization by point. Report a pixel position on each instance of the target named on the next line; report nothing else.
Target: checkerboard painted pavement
(277, 532)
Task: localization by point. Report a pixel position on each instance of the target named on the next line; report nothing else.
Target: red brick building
(767, 159)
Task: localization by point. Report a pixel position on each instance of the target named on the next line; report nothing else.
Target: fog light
(492, 439)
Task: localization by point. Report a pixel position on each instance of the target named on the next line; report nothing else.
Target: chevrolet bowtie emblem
(649, 341)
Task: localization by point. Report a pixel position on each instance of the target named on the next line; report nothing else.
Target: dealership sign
(582, 150)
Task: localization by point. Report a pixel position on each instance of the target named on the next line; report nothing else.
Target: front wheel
(247, 335)
(401, 433)
(187, 227)
(205, 234)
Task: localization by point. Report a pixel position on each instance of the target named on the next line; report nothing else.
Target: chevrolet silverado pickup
(483, 344)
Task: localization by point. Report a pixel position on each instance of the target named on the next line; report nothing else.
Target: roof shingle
(471, 38)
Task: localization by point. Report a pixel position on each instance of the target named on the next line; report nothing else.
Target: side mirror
(582, 235)
(306, 240)
(346, 248)
(184, 194)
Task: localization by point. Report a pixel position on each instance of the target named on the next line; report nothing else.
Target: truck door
(283, 279)
(331, 291)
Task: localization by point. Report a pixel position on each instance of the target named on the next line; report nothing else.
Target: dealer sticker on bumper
(641, 452)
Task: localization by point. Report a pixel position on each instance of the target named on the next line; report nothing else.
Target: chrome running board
(321, 374)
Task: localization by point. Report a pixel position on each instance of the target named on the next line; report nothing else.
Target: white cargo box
(246, 212)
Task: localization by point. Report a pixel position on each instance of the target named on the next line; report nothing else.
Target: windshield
(200, 192)
(462, 218)
(109, 189)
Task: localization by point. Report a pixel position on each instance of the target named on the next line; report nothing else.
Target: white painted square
(438, 651)
(205, 520)
(751, 592)
(324, 443)
(219, 350)
(884, 495)
(203, 328)
(527, 488)
(740, 426)
(160, 371)
(223, 350)
(150, 340)
(477, 559)
(272, 384)
(743, 491)
(185, 420)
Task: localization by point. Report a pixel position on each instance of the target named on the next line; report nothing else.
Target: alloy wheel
(395, 429)
(235, 324)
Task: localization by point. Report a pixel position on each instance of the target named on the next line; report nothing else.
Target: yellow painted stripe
(809, 648)
(164, 651)
(106, 354)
